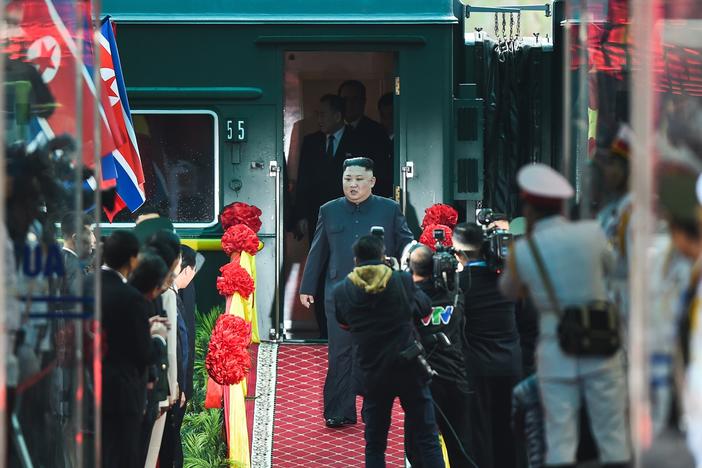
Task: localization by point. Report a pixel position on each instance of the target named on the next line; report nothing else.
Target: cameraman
(493, 354)
(449, 387)
(378, 305)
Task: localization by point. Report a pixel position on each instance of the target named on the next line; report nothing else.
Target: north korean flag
(50, 41)
(130, 176)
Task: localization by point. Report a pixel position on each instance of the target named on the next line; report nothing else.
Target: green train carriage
(219, 90)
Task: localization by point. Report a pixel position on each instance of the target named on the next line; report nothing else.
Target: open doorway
(308, 78)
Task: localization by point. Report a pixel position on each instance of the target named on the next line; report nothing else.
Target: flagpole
(4, 409)
(78, 424)
(97, 292)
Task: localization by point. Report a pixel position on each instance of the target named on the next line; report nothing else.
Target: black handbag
(590, 330)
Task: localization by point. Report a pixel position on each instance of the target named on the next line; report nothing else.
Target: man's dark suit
(339, 225)
(319, 177)
(319, 180)
(372, 142)
(73, 274)
(130, 350)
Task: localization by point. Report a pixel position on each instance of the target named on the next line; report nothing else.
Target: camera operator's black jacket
(444, 315)
(371, 303)
(492, 340)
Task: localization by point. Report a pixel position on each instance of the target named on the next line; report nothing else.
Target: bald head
(420, 261)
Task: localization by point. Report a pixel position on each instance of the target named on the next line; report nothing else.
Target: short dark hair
(336, 103)
(360, 162)
(469, 233)
(119, 248)
(150, 273)
(166, 244)
(188, 255)
(354, 84)
(385, 100)
(368, 248)
(420, 261)
(151, 208)
(71, 221)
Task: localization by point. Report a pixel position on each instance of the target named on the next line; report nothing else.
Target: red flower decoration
(427, 237)
(241, 213)
(239, 238)
(440, 214)
(235, 279)
(228, 360)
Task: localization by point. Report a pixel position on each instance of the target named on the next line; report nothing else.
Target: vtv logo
(438, 316)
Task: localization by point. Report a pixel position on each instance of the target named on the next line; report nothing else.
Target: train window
(180, 158)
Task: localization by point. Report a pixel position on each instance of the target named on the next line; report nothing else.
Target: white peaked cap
(542, 181)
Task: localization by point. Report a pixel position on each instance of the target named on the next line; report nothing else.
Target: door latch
(408, 170)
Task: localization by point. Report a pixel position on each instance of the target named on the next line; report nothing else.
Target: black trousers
(147, 425)
(454, 424)
(492, 440)
(420, 421)
(343, 380)
(171, 454)
(121, 436)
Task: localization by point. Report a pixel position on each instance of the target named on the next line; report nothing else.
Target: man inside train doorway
(340, 223)
(371, 136)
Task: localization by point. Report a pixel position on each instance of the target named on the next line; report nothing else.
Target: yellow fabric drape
(238, 437)
(248, 263)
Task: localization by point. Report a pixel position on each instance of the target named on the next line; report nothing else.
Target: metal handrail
(546, 8)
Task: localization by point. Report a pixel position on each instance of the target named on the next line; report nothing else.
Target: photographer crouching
(441, 332)
(492, 350)
(378, 306)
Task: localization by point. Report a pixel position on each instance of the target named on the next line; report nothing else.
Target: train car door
(252, 173)
(366, 82)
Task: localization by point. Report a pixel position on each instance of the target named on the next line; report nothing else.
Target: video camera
(497, 241)
(445, 265)
(379, 232)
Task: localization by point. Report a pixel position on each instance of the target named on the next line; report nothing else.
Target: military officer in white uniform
(576, 257)
(615, 216)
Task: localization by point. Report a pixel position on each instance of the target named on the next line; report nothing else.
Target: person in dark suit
(373, 141)
(321, 163)
(171, 447)
(493, 354)
(378, 306)
(341, 222)
(130, 350)
(319, 177)
(78, 243)
(387, 115)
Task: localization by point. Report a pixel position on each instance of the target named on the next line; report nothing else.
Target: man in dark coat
(319, 176)
(130, 350)
(321, 163)
(378, 307)
(342, 222)
(372, 138)
(78, 243)
(493, 354)
(449, 388)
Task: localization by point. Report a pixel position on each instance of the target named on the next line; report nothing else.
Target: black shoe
(338, 422)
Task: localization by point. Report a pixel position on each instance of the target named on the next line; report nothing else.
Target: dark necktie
(330, 146)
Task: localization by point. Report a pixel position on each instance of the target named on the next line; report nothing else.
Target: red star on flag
(44, 59)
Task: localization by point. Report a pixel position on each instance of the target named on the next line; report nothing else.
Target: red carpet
(300, 438)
